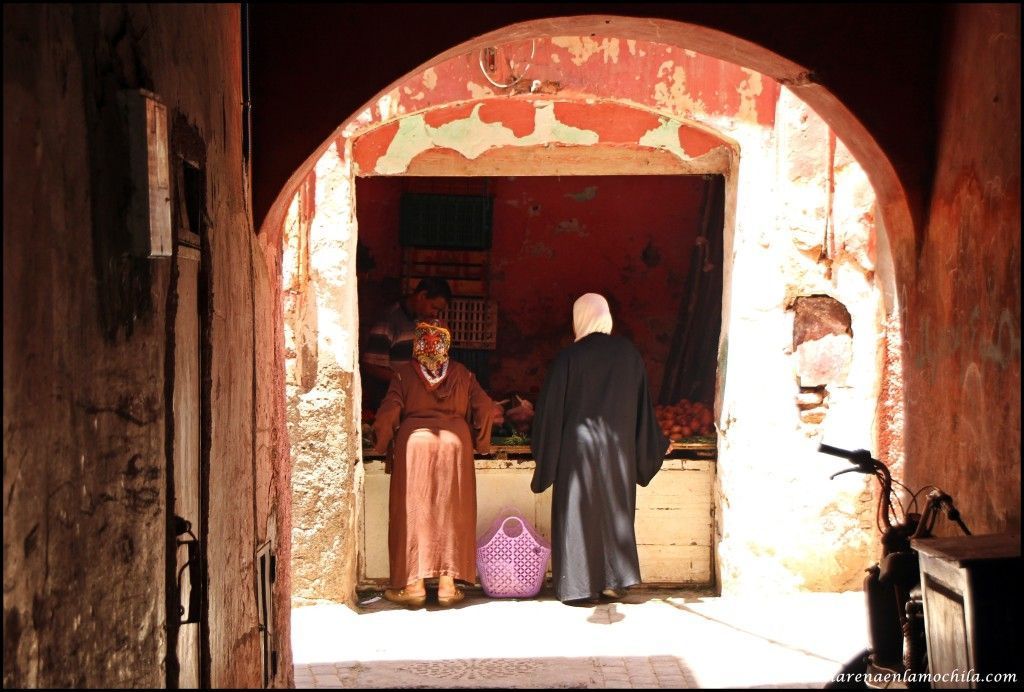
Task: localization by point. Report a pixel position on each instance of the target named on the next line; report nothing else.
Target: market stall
(516, 253)
(673, 520)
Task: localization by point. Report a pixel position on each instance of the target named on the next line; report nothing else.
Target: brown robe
(432, 508)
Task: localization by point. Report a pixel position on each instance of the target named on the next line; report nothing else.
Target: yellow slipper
(446, 601)
(404, 598)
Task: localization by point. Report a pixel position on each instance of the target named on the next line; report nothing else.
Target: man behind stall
(389, 342)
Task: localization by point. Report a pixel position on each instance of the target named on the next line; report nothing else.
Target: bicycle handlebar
(863, 462)
(939, 501)
(861, 458)
(921, 526)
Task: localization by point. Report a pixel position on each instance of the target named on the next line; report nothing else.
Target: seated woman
(436, 414)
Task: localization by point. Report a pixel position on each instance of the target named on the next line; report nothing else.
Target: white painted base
(674, 522)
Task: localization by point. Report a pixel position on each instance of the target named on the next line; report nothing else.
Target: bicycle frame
(892, 585)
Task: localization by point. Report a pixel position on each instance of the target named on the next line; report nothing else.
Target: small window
(192, 220)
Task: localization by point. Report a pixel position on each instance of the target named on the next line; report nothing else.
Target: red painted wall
(963, 315)
(554, 238)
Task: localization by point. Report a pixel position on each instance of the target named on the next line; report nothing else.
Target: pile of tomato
(685, 419)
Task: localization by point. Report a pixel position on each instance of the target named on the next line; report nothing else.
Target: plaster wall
(790, 192)
(962, 316)
(321, 330)
(716, 118)
(86, 334)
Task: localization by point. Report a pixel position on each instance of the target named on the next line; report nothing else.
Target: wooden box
(971, 587)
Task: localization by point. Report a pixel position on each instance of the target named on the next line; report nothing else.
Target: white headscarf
(590, 314)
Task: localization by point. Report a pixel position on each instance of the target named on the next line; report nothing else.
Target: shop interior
(518, 251)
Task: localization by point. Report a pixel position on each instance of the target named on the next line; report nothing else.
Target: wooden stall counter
(674, 526)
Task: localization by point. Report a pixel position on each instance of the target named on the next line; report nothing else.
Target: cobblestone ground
(650, 639)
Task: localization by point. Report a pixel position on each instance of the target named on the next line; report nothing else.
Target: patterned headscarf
(590, 314)
(430, 345)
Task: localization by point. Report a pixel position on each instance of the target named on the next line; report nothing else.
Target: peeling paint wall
(667, 79)
(473, 130)
(321, 334)
(85, 345)
(803, 219)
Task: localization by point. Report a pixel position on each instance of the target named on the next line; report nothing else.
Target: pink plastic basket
(512, 558)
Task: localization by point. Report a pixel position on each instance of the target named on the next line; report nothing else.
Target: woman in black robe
(595, 437)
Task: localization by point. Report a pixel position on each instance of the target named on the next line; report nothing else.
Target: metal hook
(491, 54)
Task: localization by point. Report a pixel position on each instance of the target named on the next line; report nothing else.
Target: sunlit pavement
(652, 638)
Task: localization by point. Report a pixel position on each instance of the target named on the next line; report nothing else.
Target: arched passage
(587, 103)
(894, 208)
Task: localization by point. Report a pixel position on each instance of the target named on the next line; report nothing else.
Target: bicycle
(892, 587)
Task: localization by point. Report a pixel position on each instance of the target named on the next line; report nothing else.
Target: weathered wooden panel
(660, 526)
(675, 564)
(673, 517)
(498, 489)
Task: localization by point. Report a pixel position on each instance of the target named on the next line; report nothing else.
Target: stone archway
(895, 210)
(680, 117)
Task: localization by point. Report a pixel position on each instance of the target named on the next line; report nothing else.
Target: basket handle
(522, 525)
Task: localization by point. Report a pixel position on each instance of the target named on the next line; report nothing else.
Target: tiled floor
(651, 639)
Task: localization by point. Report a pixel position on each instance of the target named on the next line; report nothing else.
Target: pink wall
(554, 238)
